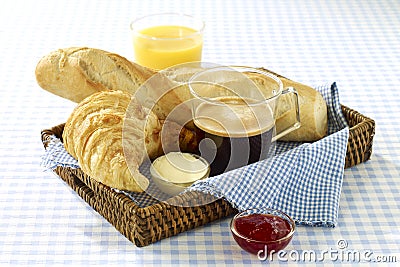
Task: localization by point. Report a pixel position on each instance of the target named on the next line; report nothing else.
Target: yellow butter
(178, 167)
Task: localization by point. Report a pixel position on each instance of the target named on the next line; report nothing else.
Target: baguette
(77, 72)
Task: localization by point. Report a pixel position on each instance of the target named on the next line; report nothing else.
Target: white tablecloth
(355, 43)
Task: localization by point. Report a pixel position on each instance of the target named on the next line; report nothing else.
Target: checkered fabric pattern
(336, 120)
(304, 182)
(56, 155)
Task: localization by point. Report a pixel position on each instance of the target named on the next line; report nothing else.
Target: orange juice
(159, 47)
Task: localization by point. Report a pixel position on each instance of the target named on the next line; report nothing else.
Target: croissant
(111, 133)
(93, 135)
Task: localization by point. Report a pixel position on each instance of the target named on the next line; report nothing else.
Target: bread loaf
(313, 111)
(313, 114)
(77, 72)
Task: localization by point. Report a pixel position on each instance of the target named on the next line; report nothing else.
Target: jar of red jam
(262, 231)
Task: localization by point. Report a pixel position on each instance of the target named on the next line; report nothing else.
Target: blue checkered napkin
(305, 181)
(336, 120)
(56, 155)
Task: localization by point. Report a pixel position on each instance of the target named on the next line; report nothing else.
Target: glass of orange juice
(166, 39)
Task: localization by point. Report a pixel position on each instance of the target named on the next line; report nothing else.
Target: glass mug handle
(297, 123)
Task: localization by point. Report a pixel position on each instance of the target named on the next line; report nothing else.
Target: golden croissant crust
(93, 135)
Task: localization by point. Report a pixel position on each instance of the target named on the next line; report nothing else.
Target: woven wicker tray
(147, 225)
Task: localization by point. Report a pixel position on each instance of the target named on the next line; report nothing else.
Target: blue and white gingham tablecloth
(355, 43)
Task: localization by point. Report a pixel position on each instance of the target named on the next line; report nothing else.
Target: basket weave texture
(144, 226)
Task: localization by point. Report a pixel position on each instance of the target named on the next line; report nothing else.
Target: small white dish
(175, 171)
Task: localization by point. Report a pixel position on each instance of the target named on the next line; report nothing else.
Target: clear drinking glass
(166, 39)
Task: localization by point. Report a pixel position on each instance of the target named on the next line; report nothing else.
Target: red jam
(264, 229)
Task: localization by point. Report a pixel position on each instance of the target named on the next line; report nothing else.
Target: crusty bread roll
(93, 135)
(313, 114)
(77, 72)
(313, 111)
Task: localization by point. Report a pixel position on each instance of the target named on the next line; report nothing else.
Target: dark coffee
(233, 134)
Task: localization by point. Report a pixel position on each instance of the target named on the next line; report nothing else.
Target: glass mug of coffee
(233, 111)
